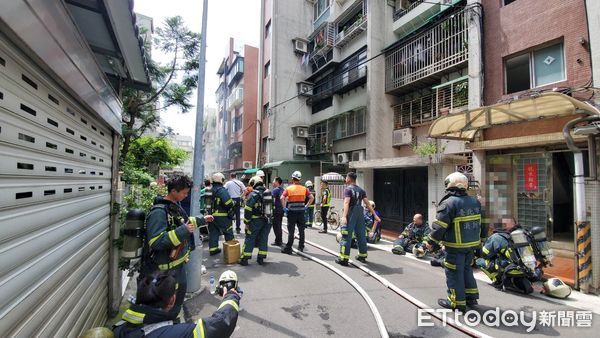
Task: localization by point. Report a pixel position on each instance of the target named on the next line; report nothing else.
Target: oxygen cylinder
(539, 236)
(209, 200)
(267, 203)
(133, 234)
(522, 246)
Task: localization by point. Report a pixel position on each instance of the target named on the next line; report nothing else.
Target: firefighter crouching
(257, 211)
(458, 227)
(169, 237)
(155, 298)
(222, 207)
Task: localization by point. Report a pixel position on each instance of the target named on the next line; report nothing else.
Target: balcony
(236, 71)
(350, 79)
(319, 96)
(351, 24)
(321, 41)
(412, 14)
(421, 60)
(235, 99)
(447, 98)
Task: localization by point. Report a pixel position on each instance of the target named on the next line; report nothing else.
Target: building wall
(251, 65)
(522, 25)
(593, 18)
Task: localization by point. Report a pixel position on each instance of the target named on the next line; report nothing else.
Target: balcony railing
(444, 99)
(320, 95)
(438, 49)
(322, 40)
(400, 12)
(350, 79)
(348, 34)
(235, 99)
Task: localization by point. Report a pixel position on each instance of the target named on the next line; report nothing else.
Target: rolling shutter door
(55, 182)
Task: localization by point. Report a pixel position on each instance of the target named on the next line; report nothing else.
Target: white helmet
(217, 178)
(255, 180)
(260, 173)
(418, 251)
(456, 180)
(309, 184)
(554, 287)
(297, 175)
(372, 204)
(228, 276)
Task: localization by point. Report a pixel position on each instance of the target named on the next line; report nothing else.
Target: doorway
(562, 193)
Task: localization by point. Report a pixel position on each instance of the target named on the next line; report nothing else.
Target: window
(268, 30)
(264, 144)
(534, 69)
(317, 140)
(267, 69)
(352, 70)
(265, 111)
(508, 2)
(320, 7)
(237, 123)
(350, 123)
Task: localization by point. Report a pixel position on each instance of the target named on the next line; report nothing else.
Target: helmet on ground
(309, 184)
(554, 287)
(260, 173)
(254, 181)
(98, 332)
(456, 180)
(297, 175)
(338, 237)
(372, 203)
(217, 178)
(418, 251)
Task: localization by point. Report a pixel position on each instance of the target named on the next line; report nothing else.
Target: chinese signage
(531, 181)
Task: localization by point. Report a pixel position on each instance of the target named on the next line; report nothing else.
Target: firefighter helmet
(309, 184)
(217, 178)
(297, 175)
(372, 203)
(554, 287)
(254, 181)
(228, 276)
(456, 180)
(260, 173)
(418, 251)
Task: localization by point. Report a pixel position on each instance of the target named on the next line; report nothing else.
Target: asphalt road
(293, 296)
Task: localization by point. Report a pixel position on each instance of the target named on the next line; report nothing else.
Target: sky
(239, 19)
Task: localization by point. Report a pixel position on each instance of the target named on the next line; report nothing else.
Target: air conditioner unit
(305, 88)
(358, 155)
(299, 149)
(341, 158)
(302, 132)
(300, 46)
(402, 137)
(247, 164)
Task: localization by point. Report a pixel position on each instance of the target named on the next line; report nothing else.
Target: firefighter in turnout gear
(295, 197)
(310, 211)
(257, 224)
(353, 221)
(496, 252)
(223, 204)
(325, 204)
(458, 228)
(416, 233)
(155, 297)
(169, 236)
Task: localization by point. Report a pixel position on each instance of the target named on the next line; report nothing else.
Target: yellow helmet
(217, 178)
(456, 180)
(254, 181)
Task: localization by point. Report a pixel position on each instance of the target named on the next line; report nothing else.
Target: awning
(465, 125)
(280, 163)
(409, 161)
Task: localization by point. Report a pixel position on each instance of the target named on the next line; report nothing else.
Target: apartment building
(236, 108)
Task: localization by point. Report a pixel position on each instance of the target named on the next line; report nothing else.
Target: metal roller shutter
(55, 193)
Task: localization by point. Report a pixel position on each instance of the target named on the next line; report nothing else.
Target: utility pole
(198, 175)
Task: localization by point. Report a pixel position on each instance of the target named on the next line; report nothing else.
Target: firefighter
(223, 204)
(310, 211)
(458, 228)
(156, 296)
(169, 235)
(257, 225)
(325, 204)
(496, 252)
(373, 227)
(295, 196)
(415, 233)
(353, 221)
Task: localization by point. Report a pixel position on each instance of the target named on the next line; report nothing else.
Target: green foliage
(136, 176)
(425, 149)
(147, 153)
(172, 82)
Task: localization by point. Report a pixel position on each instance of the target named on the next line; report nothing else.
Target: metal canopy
(465, 125)
(110, 28)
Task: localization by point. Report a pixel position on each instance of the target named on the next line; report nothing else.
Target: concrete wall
(248, 131)
(521, 26)
(593, 18)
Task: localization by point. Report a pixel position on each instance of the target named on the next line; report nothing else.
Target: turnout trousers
(356, 225)
(221, 226)
(459, 276)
